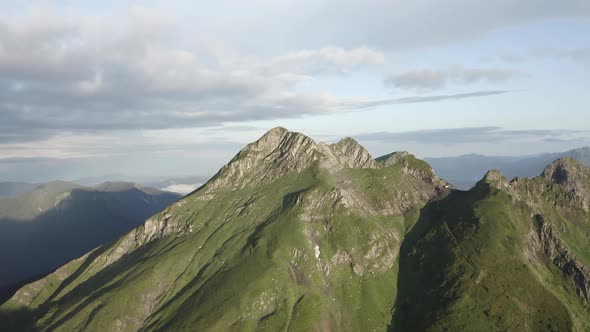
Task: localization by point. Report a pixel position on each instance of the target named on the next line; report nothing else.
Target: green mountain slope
(290, 234)
(502, 256)
(295, 235)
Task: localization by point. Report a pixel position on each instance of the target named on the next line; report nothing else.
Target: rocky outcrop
(392, 158)
(350, 154)
(275, 154)
(280, 151)
(496, 179)
(573, 176)
(561, 256)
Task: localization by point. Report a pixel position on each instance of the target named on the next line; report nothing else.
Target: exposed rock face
(347, 153)
(496, 179)
(280, 151)
(558, 252)
(565, 171)
(572, 175)
(276, 153)
(392, 158)
(558, 200)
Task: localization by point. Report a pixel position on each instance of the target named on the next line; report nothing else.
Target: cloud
(182, 189)
(419, 79)
(82, 75)
(387, 25)
(326, 60)
(428, 79)
(476, 135)
(580, 54)
(61, 146)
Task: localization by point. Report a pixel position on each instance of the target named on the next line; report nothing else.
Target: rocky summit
(294, 235)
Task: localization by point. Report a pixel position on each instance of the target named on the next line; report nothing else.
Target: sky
(176, 88)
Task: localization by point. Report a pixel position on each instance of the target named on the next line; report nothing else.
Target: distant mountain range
(8, 189)
(180, 185)
(58, 221)
(295, 235)
(464, 171)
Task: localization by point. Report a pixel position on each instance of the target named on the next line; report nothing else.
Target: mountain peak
(347, 141)
(565, 170)
(280, 140)
(494, 175)
(572, 175)
(392, 158)
(280, 151)
(495, 178)
(276, 153)
(349, 153)
(273, 136)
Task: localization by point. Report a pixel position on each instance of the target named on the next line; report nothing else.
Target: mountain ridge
(464, 171)
(288, 236)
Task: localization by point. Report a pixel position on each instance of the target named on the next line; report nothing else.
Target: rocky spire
(565, 171)
(347, 153)
(280, 151)
(495, 179)
(392, 158)
(272, 138)
(276, 153)
(572, 175)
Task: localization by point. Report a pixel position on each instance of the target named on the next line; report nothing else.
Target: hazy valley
(55, 222)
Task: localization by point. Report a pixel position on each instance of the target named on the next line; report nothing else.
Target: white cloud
(478, 134)
(63, 146)
(388, 25)
(84, 74)
(182, 189)
(326, 60)
(430, 79)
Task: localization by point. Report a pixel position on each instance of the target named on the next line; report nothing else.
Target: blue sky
(176, 88)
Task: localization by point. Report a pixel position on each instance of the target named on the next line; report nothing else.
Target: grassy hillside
(467, 266)
(298, 236)
(314, 248)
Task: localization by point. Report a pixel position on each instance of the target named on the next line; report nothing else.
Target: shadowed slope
(493, 259)
(59, 221)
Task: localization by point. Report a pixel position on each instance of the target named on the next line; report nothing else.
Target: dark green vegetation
(473, 266)
(464, 171)
(293, 235)
(59, 221)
